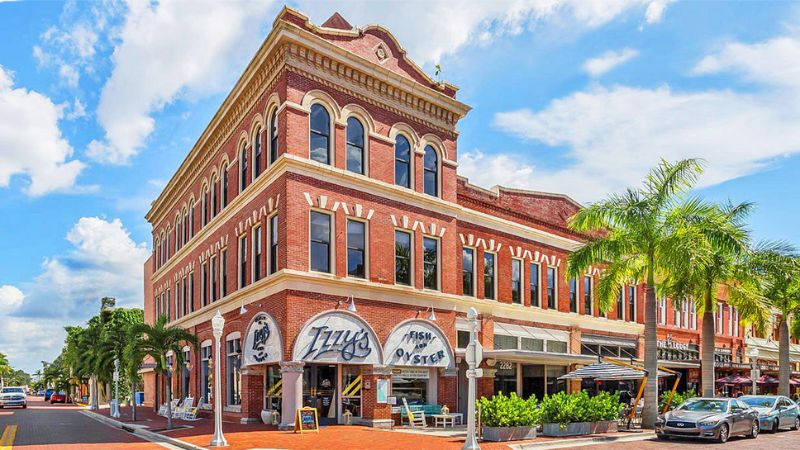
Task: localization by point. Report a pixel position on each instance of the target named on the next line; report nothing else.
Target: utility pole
(474, 357)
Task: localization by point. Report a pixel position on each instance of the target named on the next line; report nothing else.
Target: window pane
(551, 287)
(488, 275)
(587, 295)
(431, 171)
(534, 283)
(462, 339)
(516, 281)
(355, 248)
(431, 260)
(573, 295)
(556, 347)
(467, 270)
(355, 146)
(402, 162)
(273, 143)
(503, 342)
(320, 241)
(532, 344)
(402, 257)
(319, 148)
(273, 255)
(320, 120)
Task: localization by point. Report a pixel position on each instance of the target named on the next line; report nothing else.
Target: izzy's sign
(337, 337)
(263, 343)
(418, 343)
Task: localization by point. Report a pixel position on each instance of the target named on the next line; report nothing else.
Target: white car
(13, 396)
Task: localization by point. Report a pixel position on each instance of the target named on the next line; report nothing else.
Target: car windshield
(705, 405)
(10, 390)
(759, 402)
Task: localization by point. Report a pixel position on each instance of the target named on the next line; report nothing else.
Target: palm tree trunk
(650, 409)
(133, 404)
(169, 401)
(157, 403)
(93, 392)
(783, 357)
(707, 345)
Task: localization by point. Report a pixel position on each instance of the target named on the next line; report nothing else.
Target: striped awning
(607, 371)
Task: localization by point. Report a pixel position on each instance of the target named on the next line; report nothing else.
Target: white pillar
(292, 397)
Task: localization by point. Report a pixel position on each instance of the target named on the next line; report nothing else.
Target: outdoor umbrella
(607, 371)
(766, 379)
(734, 379)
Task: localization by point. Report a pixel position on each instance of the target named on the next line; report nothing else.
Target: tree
(5, 369)
(132, 358)
(158, 340)
(636, 235)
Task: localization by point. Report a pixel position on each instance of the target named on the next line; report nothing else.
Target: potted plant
(508, 418)
(579, 414)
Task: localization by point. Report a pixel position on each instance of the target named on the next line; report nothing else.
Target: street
(784, 440)
(59, 426)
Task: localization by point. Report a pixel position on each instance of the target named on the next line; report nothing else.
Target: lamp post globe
(218, 440)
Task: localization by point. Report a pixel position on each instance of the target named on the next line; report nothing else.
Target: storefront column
(375, 414)
(292, 375)
(448, 388)
(252, 394)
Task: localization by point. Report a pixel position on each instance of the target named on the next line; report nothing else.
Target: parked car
(709, 418)
(48, 393)
(58, 397)
(774, 411)
(40, 393)
(13, 396)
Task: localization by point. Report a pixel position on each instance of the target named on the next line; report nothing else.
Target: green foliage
(679, 398)
(563, 408)
(508, 411)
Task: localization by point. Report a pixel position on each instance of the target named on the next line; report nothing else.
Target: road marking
(7, 439)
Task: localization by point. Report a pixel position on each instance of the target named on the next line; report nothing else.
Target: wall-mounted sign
(337, 337)
(418, 343)
(410, 373)
(382, 390)
(669, 343)
(263, 341)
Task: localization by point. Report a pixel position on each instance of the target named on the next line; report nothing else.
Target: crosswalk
(7, 438)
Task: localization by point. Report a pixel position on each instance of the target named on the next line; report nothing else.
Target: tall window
(535, 299)
(676, 317)
(243, 168)
(191, 219)
(203, 286)
(167, 307)
(320, 134)
(320, 242)
(273, 244)
(402, 162)
(273, 136)
(468, 271)
(205, 374)
(488, 275)
(430, 247)
(177, 234)
(257, 253)
(632, 303)
(224, 186)
(573, 295)
(587, 296)
(223, 273)
(356, 244)
(662, 311)
(551, 287)
(620, 304)
(214, 198)
(516, 281)
(184, 297)
(243, 261)
(431, 171)
(257, 154)
(178, 300)
(212, 275)
(191, 291)
(233, 368)
(204, 207)
(402, 257)
(355, 146)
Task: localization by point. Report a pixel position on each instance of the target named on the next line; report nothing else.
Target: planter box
(579, 428)
(501, 434)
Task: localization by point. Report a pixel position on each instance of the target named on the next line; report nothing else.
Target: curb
(584, 442)
(139, 431)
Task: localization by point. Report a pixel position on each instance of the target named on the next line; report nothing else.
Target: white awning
(607, 340)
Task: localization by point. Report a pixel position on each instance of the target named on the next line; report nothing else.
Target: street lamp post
(474, 357)
(115, 407)
(754, 370)
(217, 323)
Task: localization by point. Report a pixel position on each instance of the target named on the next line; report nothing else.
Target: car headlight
(708, 423)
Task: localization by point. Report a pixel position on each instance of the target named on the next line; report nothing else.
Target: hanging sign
(263, 341)
(306, 420)
(418, 343)
(337, 337)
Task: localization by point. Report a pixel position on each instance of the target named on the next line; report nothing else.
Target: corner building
(321, 212)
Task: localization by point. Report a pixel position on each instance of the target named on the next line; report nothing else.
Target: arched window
(257, 153)
(273, 136)
(224, 185)
(177, 234)
(213, 197)
(355, 146)
(185, 226)
(204, 207)
(191, 219)
(320, 134)
(157, 250)
(243, 168)
(431, 171)
(402, 162)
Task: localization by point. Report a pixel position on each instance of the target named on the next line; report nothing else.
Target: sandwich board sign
(306, 420)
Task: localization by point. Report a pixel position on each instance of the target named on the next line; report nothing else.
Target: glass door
(319, 391)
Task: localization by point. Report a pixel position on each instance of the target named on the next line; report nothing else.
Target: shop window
(551, 288)
(320, 242)
(533, 381)
(256, 253)
(488, 275)
(468, 271)
(516, 281)
(205, 375)
(573, 295)
(505, 379)
(355, 146)
(243, 168)
(412, 385)
(588, 307)
(532, 344)
(402, 258)
(356, 244)
(628, 352)
(504, 342)
(430, 248)
(320, 134)
(556, 346)
(273, 244)
(431, 171)
(257, 154)
(462, 339)
(534, 285)
(402, 162)
(233, 370)
(554, 385)
(351, 390)
(273, 136)
(242, 261)
(273, 388)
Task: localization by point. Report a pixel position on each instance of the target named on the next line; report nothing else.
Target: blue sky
(100, 102)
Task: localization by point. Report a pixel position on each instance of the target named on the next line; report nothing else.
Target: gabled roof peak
(337, 22)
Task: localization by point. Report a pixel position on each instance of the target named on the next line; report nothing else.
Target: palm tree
(132, 358)
(719, 254)
(158, 340)
(5, 369)
(637, 235)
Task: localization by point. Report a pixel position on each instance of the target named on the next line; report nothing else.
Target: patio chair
(188, 402)
(162, 410)
(190, 414)
(415, 419)
(173, 404)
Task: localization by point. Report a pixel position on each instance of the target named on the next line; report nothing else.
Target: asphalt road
(46, 426)
(783, 440)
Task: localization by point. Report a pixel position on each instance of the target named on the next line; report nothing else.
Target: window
(402, 257)
(355, 146)
(719, 318)
(588, 306)
(273, 244)
(213, 276)
(551, 288)
(184, 297)
(402, 162)
(534, 285)
(177, 235)
(167, 308)
(191, 292)
(735, 322)
(662, 311)
(488, 275)
(556, 346)
(178, 300)
(166, 246)
(356, 241)
(214, 198)
(730, 321)
(620, 304)
(191, 219)
(431, 171)
(223, 273)
(224, 186)
(257, 154)
(693, 315)
(632, 303)
(273, 136)
(532, 344)
(685, 312)
(468, 271)
(203, 207)
(504, 342)
(320, 134)
(233, 368)
(430, 248)
(242, 261)
(676, 317)
(320, 242)
(516, 281)
(573, 295)
(243, 168)
(203, 286)
(256, 253)
(462, 339)
(205, 374)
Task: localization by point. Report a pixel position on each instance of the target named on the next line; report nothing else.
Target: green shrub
(563, 408)
(508, 411)
(676, 400)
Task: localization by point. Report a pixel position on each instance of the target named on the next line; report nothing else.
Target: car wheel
(723, 433)
(24, 406)
(754, 429)
(775, 426)
(796, 423)
(662, 437)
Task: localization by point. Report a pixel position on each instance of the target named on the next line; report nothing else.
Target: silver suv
(13, 396)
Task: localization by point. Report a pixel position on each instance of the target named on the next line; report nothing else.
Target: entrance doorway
(319, 391)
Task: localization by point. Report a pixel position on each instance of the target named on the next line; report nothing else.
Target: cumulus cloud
(608, 61)
(655, 11)
(31, 143)
(10, 298)
(775, 62)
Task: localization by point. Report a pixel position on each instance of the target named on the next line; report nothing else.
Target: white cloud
(655, 11)
(31, 143)
(10, 298)
(76, 110)
(775, 62)
(608, 61)
(69, 75)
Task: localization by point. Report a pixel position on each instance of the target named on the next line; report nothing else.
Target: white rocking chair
(415, 419)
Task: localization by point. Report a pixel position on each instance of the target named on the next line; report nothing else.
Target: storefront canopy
(608, 371)
(735, 379)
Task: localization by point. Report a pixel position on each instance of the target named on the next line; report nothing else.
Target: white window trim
(331, 132)
(240, 248)
(662, 311)
(412, 272)
(255, 232)
(439, 160)
(438, 263)
(411, 161)
(494, 276)
(539, 284)
(474, 269)
(256, 136)
(331, 244)
(591, 294)
(366, 246)
(268, 250)
(521, 281)
(365, 155)
(555, 285)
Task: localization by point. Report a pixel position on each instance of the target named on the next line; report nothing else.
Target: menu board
(306, 420)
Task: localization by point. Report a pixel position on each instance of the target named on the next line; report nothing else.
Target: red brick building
(321, 212)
